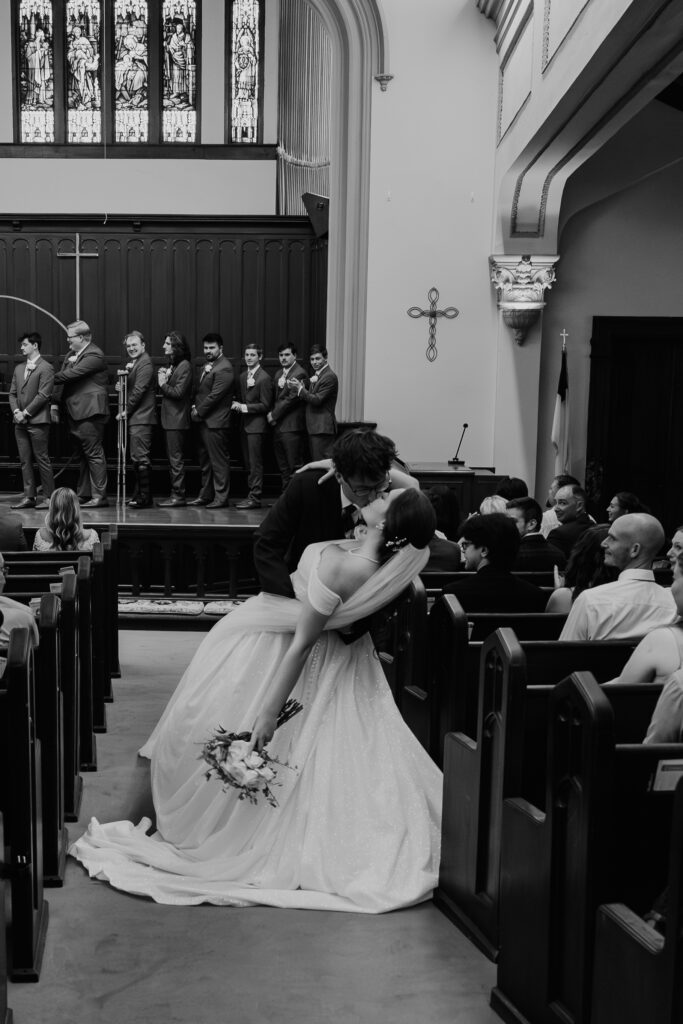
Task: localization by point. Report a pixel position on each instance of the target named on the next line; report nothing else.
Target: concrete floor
(119, 959)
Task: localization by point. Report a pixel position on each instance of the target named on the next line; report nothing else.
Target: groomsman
(82, 384)
(211, 410)
(175, 384)
(320, 398)
(141, 413)
(29, 399)
(256, 389)
(288, 415)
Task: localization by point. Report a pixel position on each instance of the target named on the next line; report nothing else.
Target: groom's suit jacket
(306, 513)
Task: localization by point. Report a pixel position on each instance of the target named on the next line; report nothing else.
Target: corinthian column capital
(521, 282)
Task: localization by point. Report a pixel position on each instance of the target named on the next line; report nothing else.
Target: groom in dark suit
(82, 385)
(309, 511)
(29, 399)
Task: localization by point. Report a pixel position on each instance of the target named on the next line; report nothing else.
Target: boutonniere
(71, 359)
(208, 367)
(282, 381)
(314, 378)
(251, 381)
(129, 366)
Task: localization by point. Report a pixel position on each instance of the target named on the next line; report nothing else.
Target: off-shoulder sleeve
(321, 598)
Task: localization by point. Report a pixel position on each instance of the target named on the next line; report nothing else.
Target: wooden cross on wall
(433, 313)
(78, 256)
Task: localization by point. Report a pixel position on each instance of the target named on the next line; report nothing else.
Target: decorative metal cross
(433, 313)
(78, 256)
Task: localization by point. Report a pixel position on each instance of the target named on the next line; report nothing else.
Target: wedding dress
(357, 826)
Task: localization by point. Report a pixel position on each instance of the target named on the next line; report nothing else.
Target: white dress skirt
(357, 826)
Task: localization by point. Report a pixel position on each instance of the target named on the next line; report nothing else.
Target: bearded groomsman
(211, 410)
(288, 415)
(320, 398)
(141, 413)
(256, 389)
(29, 400)
(82, 384)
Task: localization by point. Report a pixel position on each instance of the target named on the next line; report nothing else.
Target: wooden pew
(46, 563)
(453, 662)
(50, 732)
(403, 655)
(6, 1016)
(434, 582)
(505, 757)
(603, 835)
(32, 586)
(637, 972)
(20, 804)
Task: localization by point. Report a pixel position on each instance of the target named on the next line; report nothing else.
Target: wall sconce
(521, 283)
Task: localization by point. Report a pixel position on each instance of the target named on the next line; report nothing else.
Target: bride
(357, 821)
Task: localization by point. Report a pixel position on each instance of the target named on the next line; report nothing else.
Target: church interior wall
(433, 147)
(620, 256)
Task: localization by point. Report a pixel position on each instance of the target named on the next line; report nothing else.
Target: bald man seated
(634, 604)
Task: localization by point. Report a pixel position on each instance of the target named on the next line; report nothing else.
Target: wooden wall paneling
(161, 317)
(138, 304)
(182, 300)
(112, 304)
(275, 304)
(229, 294)
(253, 292)
(207, 278)
(298, 291)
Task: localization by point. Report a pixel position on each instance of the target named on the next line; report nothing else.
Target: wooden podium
(471, 483)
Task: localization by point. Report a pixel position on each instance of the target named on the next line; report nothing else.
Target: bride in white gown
(357, 826)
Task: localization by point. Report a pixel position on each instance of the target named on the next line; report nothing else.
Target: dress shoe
(248, 503)
(96, 503)
(218, 504)
(172, 503)
(140, 503)
(198, 501)
(43, 505)
(25, 503)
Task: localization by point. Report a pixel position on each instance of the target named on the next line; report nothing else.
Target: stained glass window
(245, 71)
(83, 71)
(179, 119)
(131, 69)
(36, 64)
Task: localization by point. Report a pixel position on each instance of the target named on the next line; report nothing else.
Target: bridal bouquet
(250, 773)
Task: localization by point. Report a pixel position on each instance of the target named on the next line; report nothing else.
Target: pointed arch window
(244, 81)
(107, 71)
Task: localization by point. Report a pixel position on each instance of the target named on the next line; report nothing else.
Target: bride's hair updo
(410, 519)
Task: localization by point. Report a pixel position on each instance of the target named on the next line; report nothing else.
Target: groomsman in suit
(29, 399)
(211, 410)
(315, 509)
(82, 385)
(320, 398)
(175, 384)
(257, 397)
(288, 415)
(141, 413)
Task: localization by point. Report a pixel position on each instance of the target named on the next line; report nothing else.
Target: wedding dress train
(357, 826)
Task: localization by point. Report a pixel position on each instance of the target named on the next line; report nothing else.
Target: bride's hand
(263, 730)
(325, 464)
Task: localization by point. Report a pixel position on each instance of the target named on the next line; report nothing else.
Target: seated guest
(492, 503)
(11, 532)
(536, 554)
(63, 530)
(511, 487)
(490, 545)
(13, 613)
(660, 652)
(550, 520)
(676, 547)
(622, 504)
(585, 568)
(634, 604)
(570, 509)
(444, 551)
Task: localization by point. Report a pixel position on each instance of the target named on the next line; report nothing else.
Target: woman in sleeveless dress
(357, 825)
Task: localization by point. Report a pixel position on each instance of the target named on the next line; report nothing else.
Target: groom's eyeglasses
(380, 488)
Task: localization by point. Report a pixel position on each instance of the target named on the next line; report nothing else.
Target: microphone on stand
(455, 461)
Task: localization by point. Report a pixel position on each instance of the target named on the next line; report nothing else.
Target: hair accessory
(395, 543)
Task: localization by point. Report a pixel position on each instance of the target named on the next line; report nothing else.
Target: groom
(308, 511)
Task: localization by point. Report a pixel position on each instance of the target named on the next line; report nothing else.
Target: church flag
(559, 435)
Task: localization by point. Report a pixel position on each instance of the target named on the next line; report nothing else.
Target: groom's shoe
(25, 503)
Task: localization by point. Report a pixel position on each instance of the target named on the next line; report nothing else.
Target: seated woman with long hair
(585, 568)
(63, 530)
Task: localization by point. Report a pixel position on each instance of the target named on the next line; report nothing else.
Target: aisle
(113, 958)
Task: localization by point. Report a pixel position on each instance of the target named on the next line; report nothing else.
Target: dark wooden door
(635, 414)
